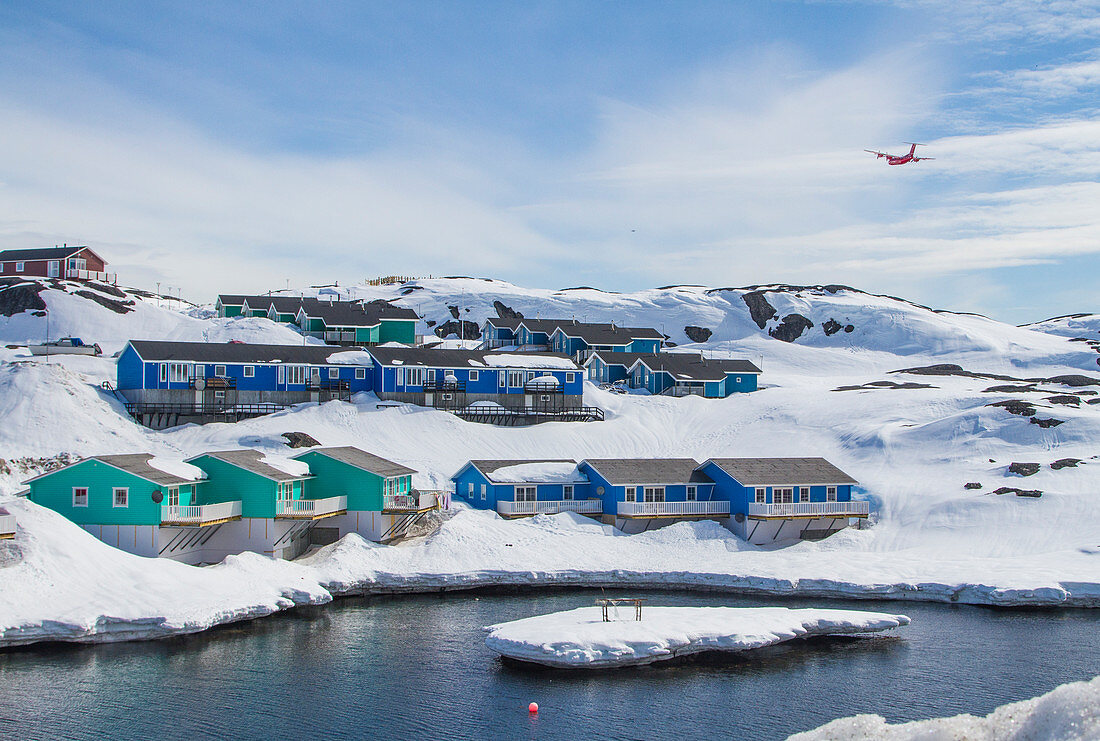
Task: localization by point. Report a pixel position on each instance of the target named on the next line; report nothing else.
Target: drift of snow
(352, 357)
(580, 639)
(1070, 712)
(544, 473)
(177, 468)
(288, 466)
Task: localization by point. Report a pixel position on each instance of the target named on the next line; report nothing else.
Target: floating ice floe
(581, 639)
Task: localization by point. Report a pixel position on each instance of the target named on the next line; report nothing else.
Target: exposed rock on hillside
(17, 297)
(759, 309)
(465, 330)
(791, 328)
(1024, 469)
(505, 312)
(697, 334)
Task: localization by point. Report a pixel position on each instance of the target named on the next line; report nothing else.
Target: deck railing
(338, 336)
(7, 525)
(310, 508)
(673, 509)
(805, 509)
(418, 501)
(89, 275)
(198, 514)
(551, 507)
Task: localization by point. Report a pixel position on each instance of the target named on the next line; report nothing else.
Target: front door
(53, 269)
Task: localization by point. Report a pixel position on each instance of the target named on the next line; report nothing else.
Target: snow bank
(580, 639)
(177, 468)
(288, 466)
(524, 360)
(546, 473)
(353, 357)
(1067, 713)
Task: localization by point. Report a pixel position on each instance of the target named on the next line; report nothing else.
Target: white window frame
(125, 491)
(249, 371)
(830, 493)
(19, 267)
(414, 377)
(295, 375)
(525, 494)
(333, 373)
(484, 489)
(219, 371)
(360, 373)
(515, 379)
(567, 492)
(503, 379)
(179, 373)
(53, 269)
(77, 503)
(570, 377)
(783, 495)
(429, 376)
(692, 494)
(473, 375)
(401, 376)
(631, 494)
(761, 495)
(164, 372)
(470, 490)
(172, 496)
(281, 375)
(654, 494)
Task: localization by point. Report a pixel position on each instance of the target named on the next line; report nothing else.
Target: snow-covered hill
(995, 395)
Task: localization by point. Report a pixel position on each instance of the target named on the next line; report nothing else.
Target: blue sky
(231, 147)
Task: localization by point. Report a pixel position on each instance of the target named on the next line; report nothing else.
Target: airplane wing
(877, 153)
(918, 159)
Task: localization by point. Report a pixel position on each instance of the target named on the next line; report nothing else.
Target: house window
(429, 376)
(400, 376)
(503, 376)
(54, 269)
(121, 497)
(447, 397)
(737, 379)
(360, 373)
(219, 371)
(296, 375)
(525, 493)
(178, 373)
(284, 490)
(761, 495)
(593, 374)
(654, 494)
(333, 372)
(783, 496)
(830, 493)
(173, 498)
(473, 375)
(629, 495)
(570, 377)
(19, 267)
(282, 374)
(219, 395)
(470, 490)
(164, 372)
(484, 489)
(249, 371)
(515, 379)
(80, 496)
(691, 494)
(544, 397)
(567, 492)
(414, 377)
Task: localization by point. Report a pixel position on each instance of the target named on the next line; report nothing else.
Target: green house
(134, 489)
(229, 305)
(369, 482)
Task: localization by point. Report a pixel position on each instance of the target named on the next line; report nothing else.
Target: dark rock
(454, 311)
(1024, 469)
(104, 288)
(1086, 392)
(15, 299)
(1065, 399)
(506, 312)
(973, 485)
(119, 307)
(759, 308)
(1045, 423)
(1008, 389)
(410, 289)
(300, 440)
(831, 327)
(465, 329)
(1065, 463)
(1035, 493)
(430, 322)
(941, 369)
(791, 328)
(697, 334)
(849, 328)
(1075, 380)
(1093, 401)
(1015, 406)
(885, 385)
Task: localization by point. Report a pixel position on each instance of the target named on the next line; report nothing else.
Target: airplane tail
(913, 148)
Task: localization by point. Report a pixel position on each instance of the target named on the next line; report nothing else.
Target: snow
(545, 473)
(524, 360)
(177, 468)
(544, 381)
(286, 465)
(1067, 713)
(580, 639)
(352, 357)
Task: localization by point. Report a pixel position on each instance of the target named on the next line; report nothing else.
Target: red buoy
(533, 708)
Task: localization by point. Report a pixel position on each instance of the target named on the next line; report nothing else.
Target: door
(53, 269)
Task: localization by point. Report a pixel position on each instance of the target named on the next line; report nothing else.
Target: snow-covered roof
(543, 472)
(544, 381)
(529, 360)
(488, 468)
(176, 467)
(277, 468)
(160, 471)
(447, 358)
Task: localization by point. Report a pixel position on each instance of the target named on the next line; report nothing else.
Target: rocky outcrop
(1065, 463)
(973, 485)
(697, 334)
(300, 440)
(119, 307)
(1048, 422)
(831, 327)
(17, 297)
(1034, 493)
(464, 329)
(1015, 406)
(791, 328)
(759, 309)
(1023, 469)
(1065, 399)
(453, 310)
(505, 312)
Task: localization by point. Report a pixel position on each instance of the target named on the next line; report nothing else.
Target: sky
(243, 147)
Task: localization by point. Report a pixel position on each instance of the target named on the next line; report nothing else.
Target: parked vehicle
(66, 346)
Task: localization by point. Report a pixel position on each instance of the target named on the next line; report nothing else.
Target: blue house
(640, 492)
(690, 374)
(774, 499)
(499, 332)
(185, 379)
(461, 378)
(611, 367)
(534, 334)
(521, 488)
(579, 339)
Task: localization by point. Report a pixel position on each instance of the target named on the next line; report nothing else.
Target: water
(417, 667)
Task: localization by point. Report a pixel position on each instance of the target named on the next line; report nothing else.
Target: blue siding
(264, 378)
(130, 369)
(740, 383)
(739, 496)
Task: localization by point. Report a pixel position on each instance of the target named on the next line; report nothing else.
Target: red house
(79, 263)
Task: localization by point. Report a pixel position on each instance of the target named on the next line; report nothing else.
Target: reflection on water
(417, 667)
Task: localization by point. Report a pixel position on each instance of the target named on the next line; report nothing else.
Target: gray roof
(619, 471)
(694, 367)
(43, 253)
(442, 358)
(362, 459)
(232, 299)
(780, 471)
(625, 359)
(545, 326)
(138, 465)
(608, 334)
(230, 352)
(282, 304)
(504, 322)
(385, 310)
(340, 314)
(489, 467)
(250, 460)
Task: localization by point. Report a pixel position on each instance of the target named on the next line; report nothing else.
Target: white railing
(198, 514)
(89, 275)
(310, 507)
(822, 509)
(672, 509)
(551, 507)
(410, 502)
(7, 525)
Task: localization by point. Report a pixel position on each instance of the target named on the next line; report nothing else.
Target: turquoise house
(690, 374)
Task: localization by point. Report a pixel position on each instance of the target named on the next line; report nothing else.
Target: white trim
(126, 497)
(85, 490)
(248, 371)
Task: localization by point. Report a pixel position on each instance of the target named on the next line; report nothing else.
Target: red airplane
(904, 159)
